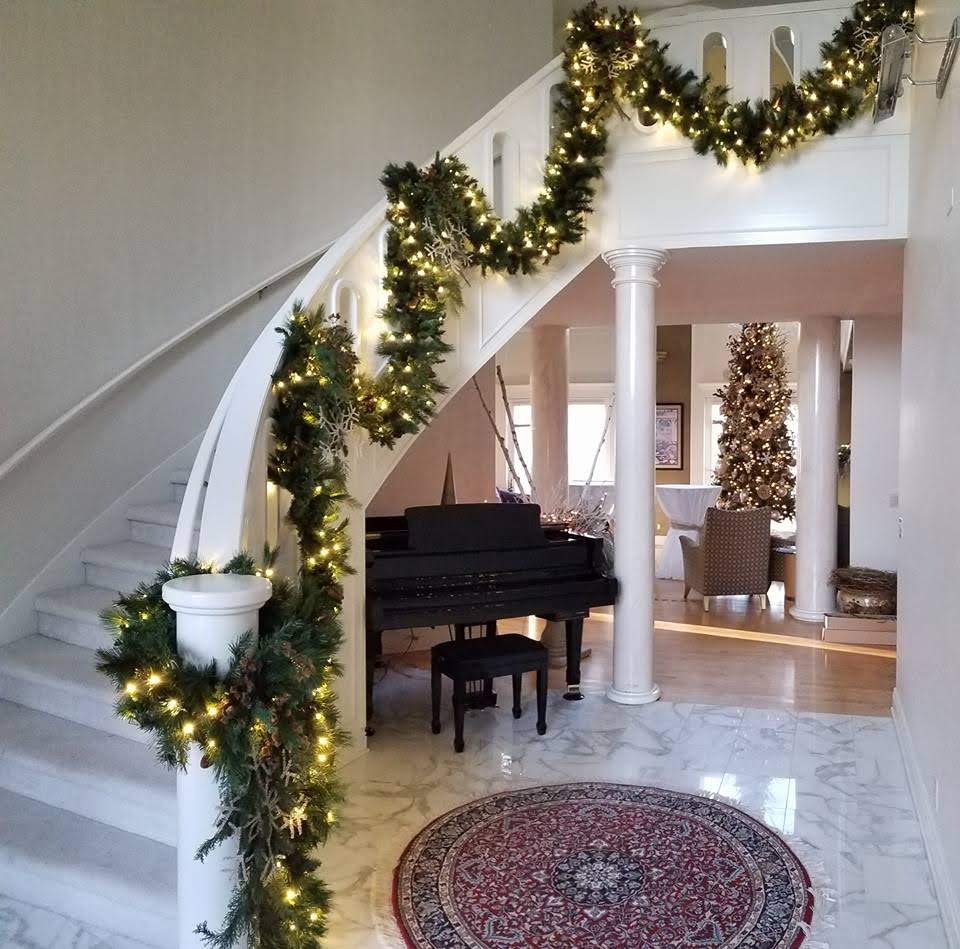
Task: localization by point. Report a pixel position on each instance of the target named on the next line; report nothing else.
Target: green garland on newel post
(270, 726)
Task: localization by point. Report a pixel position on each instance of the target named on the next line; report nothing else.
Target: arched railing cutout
(552, 122)
(783, 53)
(715, 60)
(345, 300)
(497, 189)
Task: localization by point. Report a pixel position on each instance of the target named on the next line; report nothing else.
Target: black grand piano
(467, 565)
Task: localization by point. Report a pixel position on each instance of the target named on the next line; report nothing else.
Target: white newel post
(635, 283)
(549, 468)
(818, 365)
(213, 611)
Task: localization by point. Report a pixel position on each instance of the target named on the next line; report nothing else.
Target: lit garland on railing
(444, 225)
(269, 727)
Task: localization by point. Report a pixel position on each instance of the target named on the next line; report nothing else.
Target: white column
(635, 283)
(818, 365)
(213, 611)
(548, 406)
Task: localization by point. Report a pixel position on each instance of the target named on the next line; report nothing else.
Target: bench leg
(542, 699)
(459, 708)
(517, 684)
(574, 649)
(436, 685)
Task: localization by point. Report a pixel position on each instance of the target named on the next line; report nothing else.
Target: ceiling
(776, 283)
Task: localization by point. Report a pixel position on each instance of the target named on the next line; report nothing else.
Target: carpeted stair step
(106, 778)
(61, 680)
(178, 481)
(72, 615)
(105, 877)
(154, 524)
(121, 566)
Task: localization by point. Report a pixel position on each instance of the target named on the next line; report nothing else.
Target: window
(782, 51)
(584, 431)
(585, 423)
(715, 60)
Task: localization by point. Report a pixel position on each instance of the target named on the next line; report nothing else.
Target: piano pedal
(573, 693)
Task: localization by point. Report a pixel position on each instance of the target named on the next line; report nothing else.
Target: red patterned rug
(600, 865)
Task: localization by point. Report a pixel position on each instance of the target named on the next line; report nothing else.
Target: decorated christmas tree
(757, 456)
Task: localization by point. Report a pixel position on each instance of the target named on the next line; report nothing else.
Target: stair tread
(127, 555)
(165, 513)
(43, 661)
(83, 755)
(58, 845)
(83, 603)
(180, 476)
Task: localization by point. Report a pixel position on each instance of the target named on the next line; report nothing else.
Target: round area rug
(600, 865)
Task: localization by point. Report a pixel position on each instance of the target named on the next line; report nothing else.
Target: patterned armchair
(733, 558)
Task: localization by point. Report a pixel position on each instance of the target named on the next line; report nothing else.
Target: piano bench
(487, 658)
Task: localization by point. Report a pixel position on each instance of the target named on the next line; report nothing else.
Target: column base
(633, 698)
(807, 616)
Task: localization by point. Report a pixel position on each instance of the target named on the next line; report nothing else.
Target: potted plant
(863, 591)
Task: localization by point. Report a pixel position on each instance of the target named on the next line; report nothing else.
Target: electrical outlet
(900, 527)
(936, 795)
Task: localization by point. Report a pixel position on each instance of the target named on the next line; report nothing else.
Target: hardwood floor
(739, 655)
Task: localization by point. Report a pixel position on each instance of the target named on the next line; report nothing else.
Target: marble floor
(833, 785)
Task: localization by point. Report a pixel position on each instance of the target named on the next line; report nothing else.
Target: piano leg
(459, 708)
(436, 686)
(374, 651)
(517, 686)
(574, 648)
(489, 696)
(542, 699)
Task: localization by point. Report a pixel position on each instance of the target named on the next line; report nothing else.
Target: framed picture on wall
(669, 436)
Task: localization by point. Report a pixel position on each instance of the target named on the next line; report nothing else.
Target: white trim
(946, 895)
(22, 453)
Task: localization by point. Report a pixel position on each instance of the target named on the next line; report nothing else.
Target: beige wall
(460, 429)
(159, 158)
(928, 647)
(673, 385)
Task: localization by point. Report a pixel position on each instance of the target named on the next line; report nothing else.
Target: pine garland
(269, 727)
(757, 458)
(443, 224)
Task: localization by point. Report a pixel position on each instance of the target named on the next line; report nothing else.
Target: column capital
(635, 264)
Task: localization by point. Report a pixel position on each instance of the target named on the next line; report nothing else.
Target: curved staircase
(89, 817)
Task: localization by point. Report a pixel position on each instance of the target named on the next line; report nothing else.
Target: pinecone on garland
(757, 457)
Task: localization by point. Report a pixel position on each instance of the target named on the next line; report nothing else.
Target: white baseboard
(946, 894)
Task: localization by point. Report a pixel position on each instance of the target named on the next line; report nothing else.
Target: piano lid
(448, 528)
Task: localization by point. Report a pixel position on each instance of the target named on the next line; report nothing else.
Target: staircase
(89, 815)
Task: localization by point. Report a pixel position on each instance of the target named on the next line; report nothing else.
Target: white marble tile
(901, 880)
(831, 784)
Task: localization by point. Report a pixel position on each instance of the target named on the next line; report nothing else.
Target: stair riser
(113, 578)
(84, 710)
(131, 809)
(80, 899)
(157, 534)
(179, 490)
(73, 631)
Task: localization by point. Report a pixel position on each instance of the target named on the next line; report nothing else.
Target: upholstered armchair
(732, 558)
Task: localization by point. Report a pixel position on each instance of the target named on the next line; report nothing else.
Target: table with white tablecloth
(686, 506)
